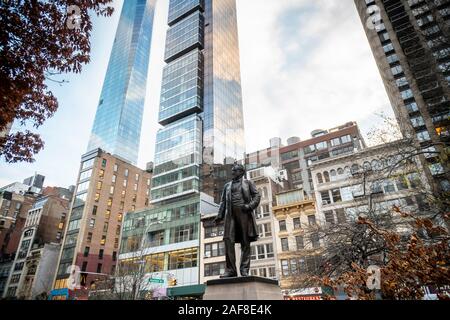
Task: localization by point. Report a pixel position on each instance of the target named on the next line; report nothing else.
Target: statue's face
(237, 172)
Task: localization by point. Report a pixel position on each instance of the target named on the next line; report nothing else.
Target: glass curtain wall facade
(118, 121)
(409, 39)
(203, 135)
(201, 100)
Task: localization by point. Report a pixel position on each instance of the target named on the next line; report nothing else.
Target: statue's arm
(221, 214)
(256, 197)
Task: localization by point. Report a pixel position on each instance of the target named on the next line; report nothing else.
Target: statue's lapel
(245, 189)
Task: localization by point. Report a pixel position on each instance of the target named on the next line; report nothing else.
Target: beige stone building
(297, 252)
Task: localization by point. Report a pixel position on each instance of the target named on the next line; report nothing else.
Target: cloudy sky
(304, 65)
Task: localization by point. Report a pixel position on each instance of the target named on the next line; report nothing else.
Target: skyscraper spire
(118, 121)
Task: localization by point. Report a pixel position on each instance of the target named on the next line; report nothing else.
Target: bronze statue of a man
(239, 200)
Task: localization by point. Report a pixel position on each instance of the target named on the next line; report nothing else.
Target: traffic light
(172, 282)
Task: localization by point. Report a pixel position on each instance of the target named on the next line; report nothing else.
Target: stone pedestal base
(243, 288)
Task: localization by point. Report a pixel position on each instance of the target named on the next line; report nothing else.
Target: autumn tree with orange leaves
(39, 40)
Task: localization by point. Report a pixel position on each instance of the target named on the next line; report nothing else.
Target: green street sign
(156, 280)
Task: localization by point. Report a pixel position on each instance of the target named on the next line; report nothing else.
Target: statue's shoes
(228, 275)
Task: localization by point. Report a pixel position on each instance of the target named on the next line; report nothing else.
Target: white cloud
(328, 81)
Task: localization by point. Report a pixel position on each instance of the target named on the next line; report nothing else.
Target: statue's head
(237, 171)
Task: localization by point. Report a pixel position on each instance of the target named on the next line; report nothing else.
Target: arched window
(376, 165)
(347, 171)
(326, 176)
(265, 195)
(367, 166)
(319, 178)
(340, 171)
(333, 175)
(354, 168)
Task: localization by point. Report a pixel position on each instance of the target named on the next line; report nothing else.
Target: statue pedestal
(243, 288)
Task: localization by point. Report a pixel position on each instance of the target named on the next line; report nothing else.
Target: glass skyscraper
(202, 137)
(201, 98)
(118, 121)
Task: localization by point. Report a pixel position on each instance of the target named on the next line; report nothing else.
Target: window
(214, 249)
(282, 225)
(388, 47)
(319, 178)
(114, 256)
(110, 200)
(74, 225)
(18, 266)
(214, 231)
(417, 121)
(293, 266)
(388, 186)
(84, 266)
(321, 145)
(340, 214)
(85, 174)
(401, 182)
(15, 278)
(86, 252)
(182, 259)
(329, 217)
(407, 94)
(97, 197)
(94, 210)
(214, 269)
(326, 176)
(101, 173)
(397, 70)
(92, 223)
(126, 173)
(105, 227)
(335, 142)
(392, 58)
(336, 193)
(114, 178)
(103, 241)
(119, 217)
(285, 267)
(299, 242)
(107, 214)
(89, 237)
(296, 222)
(118, 230)
(99, 268)
(28, 233)
(111, 190)
(412, 107)
(104, 163)
(312, 220)
(116, 167)
(333, 175)
(325, 195)
(284, 244)
(401, 82)
(315, 240)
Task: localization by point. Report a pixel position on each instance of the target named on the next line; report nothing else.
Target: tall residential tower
(117, 124)
(410, 42)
